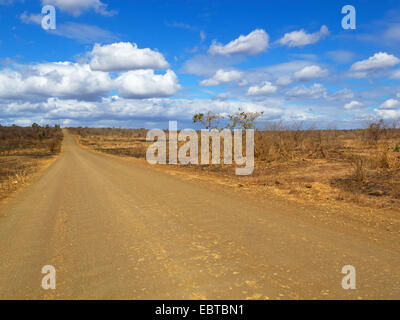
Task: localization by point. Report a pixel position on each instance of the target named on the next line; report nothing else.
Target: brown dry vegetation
(123, 142)
(24, 150)
(356, 166)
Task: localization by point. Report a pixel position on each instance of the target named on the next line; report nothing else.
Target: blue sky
(142, 63)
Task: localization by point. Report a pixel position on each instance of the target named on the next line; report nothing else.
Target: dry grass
(23, 151)
(356, 166)
(123, 142)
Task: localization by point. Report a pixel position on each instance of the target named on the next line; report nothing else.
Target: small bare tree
(209, 120)
(243, 120)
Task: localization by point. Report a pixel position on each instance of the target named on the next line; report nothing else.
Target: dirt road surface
(114, 230)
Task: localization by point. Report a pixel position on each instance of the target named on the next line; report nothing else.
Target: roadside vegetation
(23, 151)
(359, 166)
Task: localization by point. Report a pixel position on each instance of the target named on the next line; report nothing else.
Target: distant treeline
(109, 132)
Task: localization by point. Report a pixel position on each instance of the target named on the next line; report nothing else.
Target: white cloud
(344, 94)
(142, 84)
(280, 74)
(388, 114)
(390, 104)
(222, 76)
(58, 79)
(380, 60)
(310, 72)
(301, 38)
(185, 108)
(265, 89)
(353, 105)
(284, 81)
(77, 7)
(287, 68)
(120, 110)
(299, 113)
(252, 44)
(124, 56)
(316, 91)
(221, 96)
(68, 80)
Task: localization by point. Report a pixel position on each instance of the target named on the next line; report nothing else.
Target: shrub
(54, 145)
(358, 164)
(375, 131)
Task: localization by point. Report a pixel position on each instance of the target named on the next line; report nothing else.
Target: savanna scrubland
(24, 151)
(359, 166)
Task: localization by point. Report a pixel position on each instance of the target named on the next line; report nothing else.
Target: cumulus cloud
(252, 44)
(221, 77)
(390, 104)
(265, 89)
(310, 72)
(141, 84)
(58, 79)
(378, 61)
(125, 56)
(353, 105)
(77, 7)
(388, 114)
(89, 82)
(389, 109)
(301, 38)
